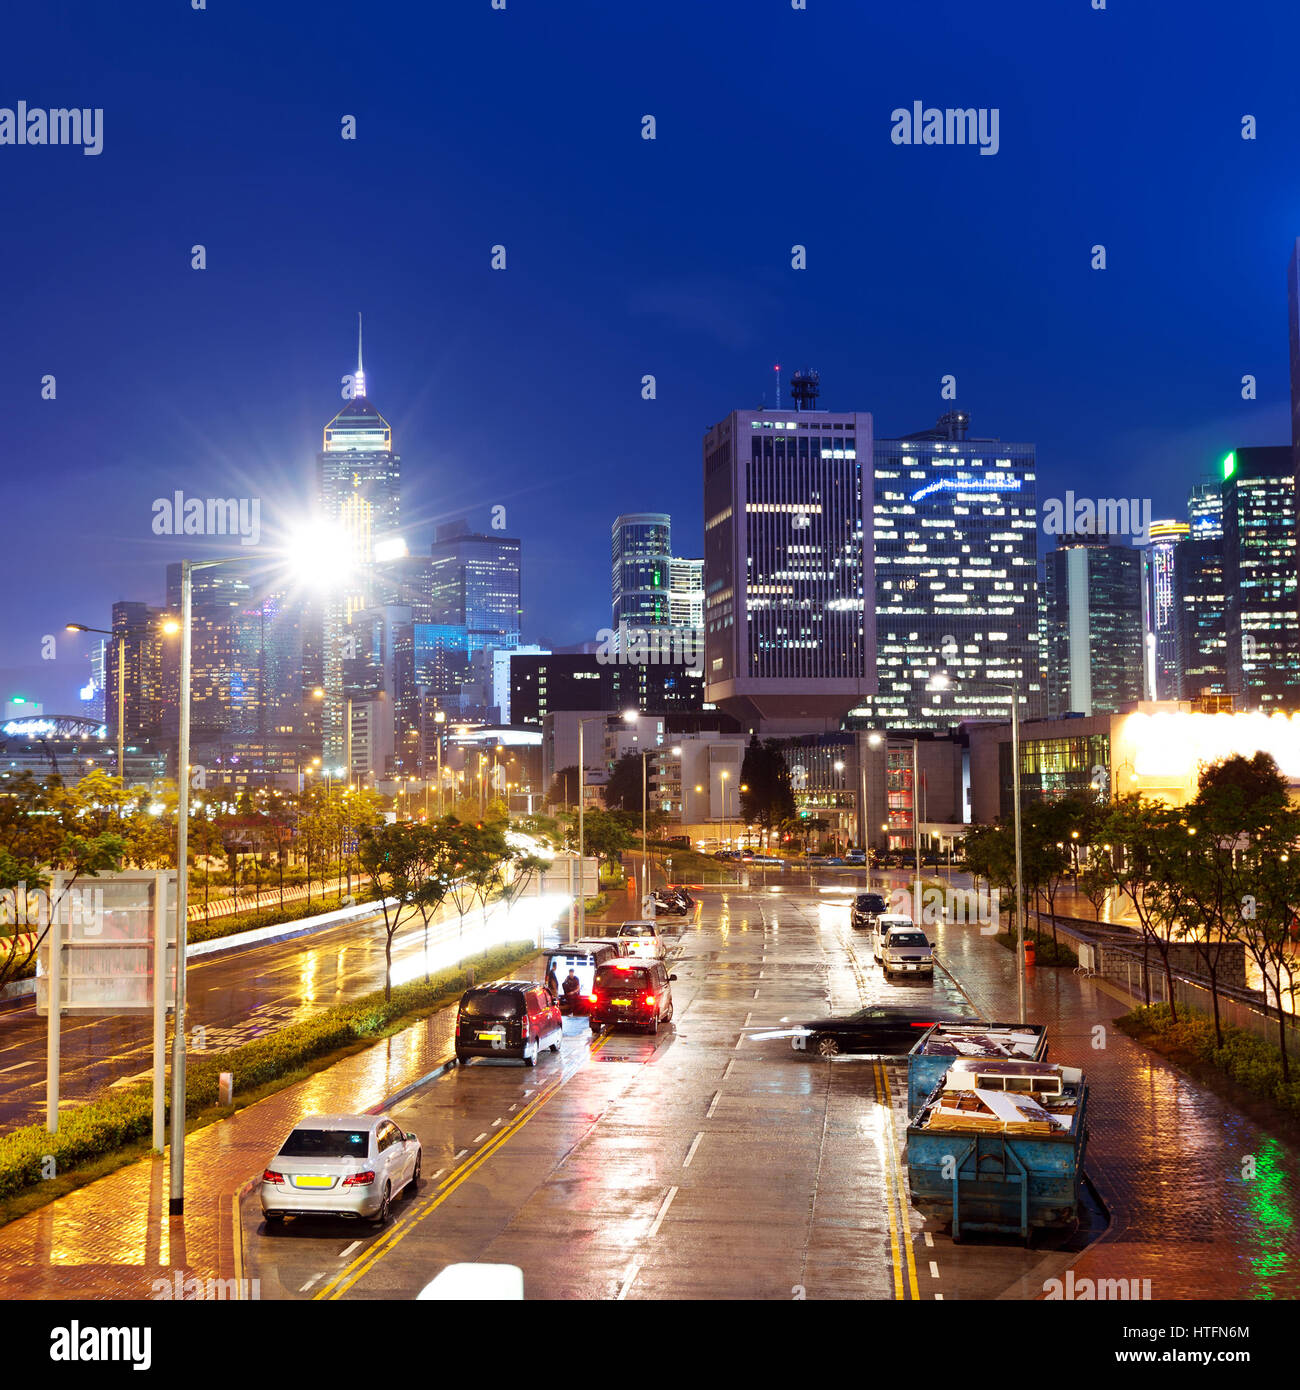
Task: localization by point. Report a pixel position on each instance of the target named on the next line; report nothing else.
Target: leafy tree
(623, 790)
(391, 857)
(563, 790)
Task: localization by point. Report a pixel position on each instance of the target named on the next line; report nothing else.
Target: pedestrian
(572, 985)
(552, 979)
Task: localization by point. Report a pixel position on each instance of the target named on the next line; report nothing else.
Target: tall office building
(686, 593)
(956, 578)
(1094, 626)
(475, 584)
(144, 688)
(1259, 561)
(1293, 324)
(1200, 596)
(640, 570)
(1159, 609)
(1205, 511)
(359, 489)
(788, 581)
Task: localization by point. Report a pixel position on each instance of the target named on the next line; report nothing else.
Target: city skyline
(216, 381)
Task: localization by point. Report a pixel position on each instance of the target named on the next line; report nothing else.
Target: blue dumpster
(943, 1044)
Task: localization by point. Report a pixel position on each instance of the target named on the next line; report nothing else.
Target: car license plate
(313, 1182)
(490, 1037)
(623, 1002)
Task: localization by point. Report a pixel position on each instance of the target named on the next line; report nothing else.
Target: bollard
(226, 1088)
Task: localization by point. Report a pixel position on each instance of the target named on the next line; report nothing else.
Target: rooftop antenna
(777, 370)
(360, 386)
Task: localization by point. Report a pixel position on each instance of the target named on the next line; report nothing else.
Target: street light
(582, 778)
(942, 682)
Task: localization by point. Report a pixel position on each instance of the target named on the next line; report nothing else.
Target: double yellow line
(372, 1254)
(900, 1231)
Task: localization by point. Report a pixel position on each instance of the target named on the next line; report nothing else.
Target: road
(693, 1164)
(233, 998)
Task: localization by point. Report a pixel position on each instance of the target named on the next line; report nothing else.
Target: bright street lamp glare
(319, 554)
(630, 715)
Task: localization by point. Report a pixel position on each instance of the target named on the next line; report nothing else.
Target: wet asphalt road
(693, 1164)
(234, 997)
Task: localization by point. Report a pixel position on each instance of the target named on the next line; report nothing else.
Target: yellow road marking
(889, 1200)
(369, 1257)
(897, 1184)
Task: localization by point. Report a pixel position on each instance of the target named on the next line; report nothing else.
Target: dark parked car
(635, 992)
(878, 1030)
(508, 1018)
(866, 908)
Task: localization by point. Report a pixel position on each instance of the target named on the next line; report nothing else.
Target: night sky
(625, 257)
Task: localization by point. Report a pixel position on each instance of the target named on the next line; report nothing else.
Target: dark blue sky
(626, 257)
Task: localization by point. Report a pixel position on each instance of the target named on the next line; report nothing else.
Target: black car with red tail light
(635, 993)
(880, 1030)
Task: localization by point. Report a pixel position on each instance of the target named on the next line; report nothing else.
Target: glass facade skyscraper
(475, 584)
(1159, 609)
(788, 584)
(1094, 626)
(956, 578)
(640, 570)
(1259, 553)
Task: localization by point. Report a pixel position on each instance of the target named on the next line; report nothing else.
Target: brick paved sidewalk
(1167, 1155)
(113, 1238)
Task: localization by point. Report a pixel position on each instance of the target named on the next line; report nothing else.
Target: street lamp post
(582, 778)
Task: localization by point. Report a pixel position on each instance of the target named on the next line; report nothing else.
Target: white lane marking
(690, 1153)
(713, 1105)
(479, 1138)
(938, 1298)
(934, 1270)
(663, 1211)
(343, 1254)
(755, 994)
(460, 1155)
(311, 1281)
(515, 1106)
(726, 1071)
(761, 973)
(929, 1240)
(439, 1174)
(631, 1274)
(496, 1122)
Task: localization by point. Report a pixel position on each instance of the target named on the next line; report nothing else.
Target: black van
(634, 991)
(508, 1018)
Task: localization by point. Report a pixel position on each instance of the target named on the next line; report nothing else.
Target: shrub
(122, 1117)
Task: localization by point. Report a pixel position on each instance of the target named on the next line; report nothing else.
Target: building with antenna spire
(359, 489)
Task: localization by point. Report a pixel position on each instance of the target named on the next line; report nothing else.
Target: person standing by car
(553, 981)
(572, 986)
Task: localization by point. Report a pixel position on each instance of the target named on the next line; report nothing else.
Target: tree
(563, 790)
(767, 796)
(435, 849)
(390, 856)
(623, 790)
(607, 834)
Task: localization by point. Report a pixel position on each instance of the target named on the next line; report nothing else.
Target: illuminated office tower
(788, 583)
(1094, 626)
(956, 589)
(1205, 512)
(686, 593)
(359, 490)
(1201, 598)
(641, 570)
(475, 584)
(1159, 610)
(1259, 564)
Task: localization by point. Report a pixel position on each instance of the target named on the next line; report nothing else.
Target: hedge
(103, 1126)
(272, 915)
(1252, 1062)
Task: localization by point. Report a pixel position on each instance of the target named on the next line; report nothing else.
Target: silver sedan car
(341, 1165)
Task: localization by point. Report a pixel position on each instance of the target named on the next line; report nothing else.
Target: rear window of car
(871, 902)
(907, 938)
(326, 1143)
(636, 929)
(494, 1003)
(611, 977)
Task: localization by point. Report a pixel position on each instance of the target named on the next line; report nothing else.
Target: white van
(885, 923)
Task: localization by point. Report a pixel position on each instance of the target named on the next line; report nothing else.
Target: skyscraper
(1159, 609)
(1259, 562)
(641, 570)
(788, 580)
(686, 593)
(475, 584)
(1094, 626)
(956, 577)
(359, 489)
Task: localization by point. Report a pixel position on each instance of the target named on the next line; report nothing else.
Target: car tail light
(359, 1179)
(272, 1176)
(591, 999)
(649, 999)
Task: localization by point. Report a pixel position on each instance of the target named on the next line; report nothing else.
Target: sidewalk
(1168, 1156)
(112, 1239)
